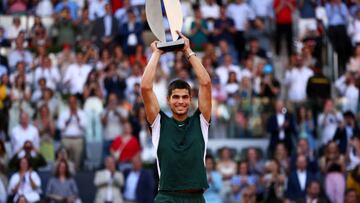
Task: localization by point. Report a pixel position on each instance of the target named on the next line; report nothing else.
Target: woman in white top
(25, 182)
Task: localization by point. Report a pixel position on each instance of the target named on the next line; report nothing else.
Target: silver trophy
(174, 15)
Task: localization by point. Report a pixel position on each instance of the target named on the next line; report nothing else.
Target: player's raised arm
(151, 103)
(203, 80)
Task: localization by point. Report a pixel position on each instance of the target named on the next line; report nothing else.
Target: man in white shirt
(49, 72)
(328, 121)
(223, 71)
(19, 54)
(241, 13)
(72, 124)
(76, 75)
(210, 10)
(13, 30)
(296, 79)
(97, 9)
(346, 86)
(24, 132)
(262, 8)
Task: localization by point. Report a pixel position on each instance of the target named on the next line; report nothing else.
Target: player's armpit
(151, 104)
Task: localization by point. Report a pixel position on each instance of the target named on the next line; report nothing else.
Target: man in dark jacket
(139, 183)
(345, 132)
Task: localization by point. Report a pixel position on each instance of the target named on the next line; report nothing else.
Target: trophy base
(171, 46)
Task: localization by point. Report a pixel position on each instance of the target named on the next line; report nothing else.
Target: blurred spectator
(65, 58)
(353, 180)
(49, 72)
(39, 35)
(254, 161)
(121, 13)
(335, 183)
(25, 182)
(354, 62)
(244, 177)
(44, 8)
(46, 126)
(346, 131)
(350, 196)
(353, 153)
(109, 182)
(310, 154)
(306, 126)
(4, 41)
(338, 16)
(283, 17)
(85, 29)
(76, 75)
(249, 195)
(97, 9)
(307, 19)
(130, 33)
(19, 54)
(226, 165)
(346, 85)
(62, 187)
(328, 121)
(331, 156)
(273, 181)
(235, 193)
(3, 158)
(23, 132)
(298, 180)
(139, 183)
(4, 105)
(281, 155)
(71, 5)
(105, 28)
(133, 79)
(241, 14)
(35, 159)
(125, 146)
(262, 9)
(224, 70)
(199, 31)
(138, 57)
(72, 124)
(281, 126)
(12, 32)
(104, 61)
(62, 155)
(114, 82)
(313, 190)
(296, 78)
(3, 193)
(65, 27)
(270, 86)
(210, 10)
(354, 29)
(213, 194)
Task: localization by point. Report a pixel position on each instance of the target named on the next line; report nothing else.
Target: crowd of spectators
(70, 98)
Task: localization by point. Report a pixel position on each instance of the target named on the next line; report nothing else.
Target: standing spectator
(281, 155)
(25, 182)
(14, 30)
(328, 121)
(125, 146)
(210, 10)
(313, 190)
(269, 86)
(62, 155)
(69, 4)
(296, 78)
(76, 75)
(65, 58)
(307, 16)
(97, 9)
(283, 17)
(213, 194)
(346, 85)
(199, 31)
(19, 54)
(346, 131)
(353, 153)
(49, 72)
(241, 13)
(331, 156)
(130, 33)
(44, 8)
(310, 154)
(109, 182)
(23, 132)
(281, 126)
(62, 187)
(306, 126)
(72, 124)
(338, 16)
(274, 182)
(114, 83)
(298, 180)
(139, 183)
(226, 165)
(224, 28)
(354, 29)
(35, 159)
(105, 28)
(335, 183)
(112, 120)
(85, 29)
(66, 28)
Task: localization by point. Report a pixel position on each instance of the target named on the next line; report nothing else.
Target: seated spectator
(346, 131)
(104, 61)
(25, 182)
(97, 9)
(232, 85)
(303, 148)
(35, 159)
(20, 96)
(353, 153)
(39, 36)
(24, 132)
(46, 126)
(254, 161)
(62, 187)
(114, 82)
(49, 72)
(65, 58)
(328, 121)
(109, 182)
(213, 194)
(72, 124)
(62, 155)
(244, 177)
(14, 30)
(331, 156)
(335, 183)
(139, 183)
(112, 120)
(313, 190)
(199, 31)
(306, 126)
(350, 196)
(19, 54)
(223, 71)
(273, 181)
(298, 180)
(226, 165)
(281, 126)
(48, 99)
(125, 146)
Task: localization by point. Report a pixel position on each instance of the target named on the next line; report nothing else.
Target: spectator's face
(73, 103)
(351, 197)
(227, 60)
(332, 148)
(252, 155)
(209, 164)
(110, 164)
(279, 106)
(20, 67)
(226, 154)
(136, 162)
(127, 128)
(314, 189)
(24, 164)
(329, 106)
(16, 21)
(301, 163)
(243, 169)
(28, 146)
(24, 119)
(108, 8)
(113, 100)
(248, 196)
(80, 58)
(303, 146)
(179, 101)
(46, 63)
(22, 199)
(62, 168)
(357, 50)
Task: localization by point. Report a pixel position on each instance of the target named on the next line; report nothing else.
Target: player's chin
(182, 111)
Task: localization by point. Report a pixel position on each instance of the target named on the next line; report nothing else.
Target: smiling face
(179, 101)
